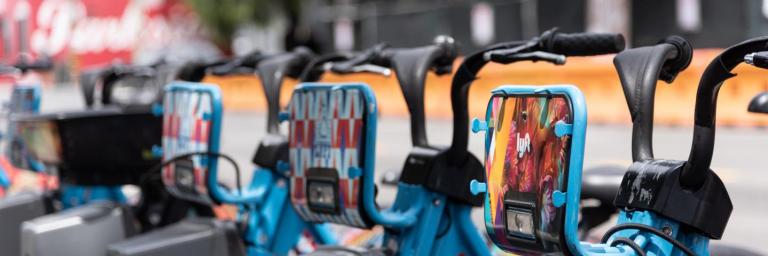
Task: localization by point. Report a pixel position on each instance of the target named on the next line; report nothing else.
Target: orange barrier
(595, 76)
(244, 92)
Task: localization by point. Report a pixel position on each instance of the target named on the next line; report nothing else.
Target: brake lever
(365, 57)
(506, 56)
(139, 71)
(362, 68)
(370, 68)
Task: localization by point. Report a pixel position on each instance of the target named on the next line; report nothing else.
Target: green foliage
(223, 17)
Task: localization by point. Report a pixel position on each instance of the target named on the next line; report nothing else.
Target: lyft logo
(523, 144)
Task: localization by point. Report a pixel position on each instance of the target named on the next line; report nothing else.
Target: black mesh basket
(111, 146)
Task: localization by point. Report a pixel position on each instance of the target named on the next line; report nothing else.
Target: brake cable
(650, 229)
(204, 153)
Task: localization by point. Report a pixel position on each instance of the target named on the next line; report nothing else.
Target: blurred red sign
(92, 31)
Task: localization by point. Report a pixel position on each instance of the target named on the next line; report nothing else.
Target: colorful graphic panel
(525, 163)
(41, 139)
(25, 99)
(326, 146)
(187, 126)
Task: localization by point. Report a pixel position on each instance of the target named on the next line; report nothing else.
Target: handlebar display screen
(525, 164)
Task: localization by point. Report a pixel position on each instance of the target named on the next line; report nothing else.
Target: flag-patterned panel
(327, 131)
(187, 126)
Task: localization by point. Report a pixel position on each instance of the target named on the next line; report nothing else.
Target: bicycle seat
(602, 182)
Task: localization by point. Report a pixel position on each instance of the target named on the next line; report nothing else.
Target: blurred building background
(705, 23)
(84, 33)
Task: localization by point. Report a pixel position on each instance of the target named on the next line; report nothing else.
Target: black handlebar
(759, 103)
(757, 59)
(502, 56)
(639, 70)
(411, 66)
(272, 70)
(315, 70)
(583, 44)
(41, 64)
(719, 70)
(550, 41)
(368, 56)
(110, 77)
(88, 81)
(242, 65)
(106, 79)
(195, 71)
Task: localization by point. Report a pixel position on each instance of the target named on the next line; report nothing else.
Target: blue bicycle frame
(569, 197)
(272, 226)
(667, 207)
(420, 222)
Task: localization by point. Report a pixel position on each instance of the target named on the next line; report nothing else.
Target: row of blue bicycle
(159, 128)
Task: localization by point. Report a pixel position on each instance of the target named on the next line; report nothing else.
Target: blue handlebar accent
(157, 151)
(283, 116)
(354, 172)
(157, 109)
(5, 181)
(477, 187)
(558, 198)
(478, 125)
(562, 129)
(282, 166)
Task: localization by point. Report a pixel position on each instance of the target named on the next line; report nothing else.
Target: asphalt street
(738, 156)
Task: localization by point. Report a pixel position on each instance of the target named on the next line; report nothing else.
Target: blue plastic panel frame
(578, 134)
(211, 194)
(368, 201)
(363, 213)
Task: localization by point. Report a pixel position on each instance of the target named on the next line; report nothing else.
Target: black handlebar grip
(584, 44)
